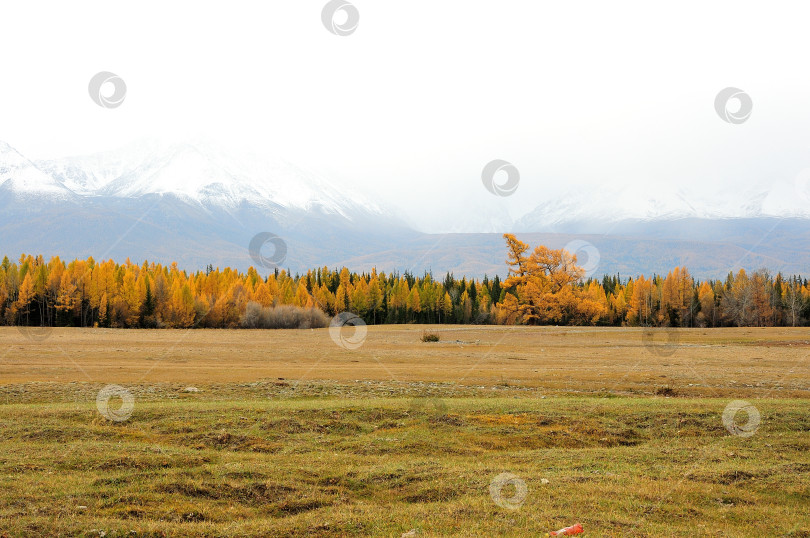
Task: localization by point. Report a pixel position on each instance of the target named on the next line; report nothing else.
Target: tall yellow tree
(26, 295)
(544, 286)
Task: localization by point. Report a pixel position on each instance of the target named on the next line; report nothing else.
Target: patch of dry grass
(285, 433)
(380, 467)
(746, 362)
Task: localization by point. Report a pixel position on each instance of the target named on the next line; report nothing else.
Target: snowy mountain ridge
(26, 181)
(203, 174)
(198, 205)
(590, 210)
(198, 173)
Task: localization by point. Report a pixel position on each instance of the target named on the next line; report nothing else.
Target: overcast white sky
(423, 94)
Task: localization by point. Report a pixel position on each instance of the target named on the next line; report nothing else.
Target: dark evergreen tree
(495, 293)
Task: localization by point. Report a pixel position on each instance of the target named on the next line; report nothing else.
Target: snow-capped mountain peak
(589, 210)
(21, 177)
(86, 175)
(204, 174)
(200, 173)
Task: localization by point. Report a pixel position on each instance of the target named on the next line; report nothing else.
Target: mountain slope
(609, 209)
(186, 203)
(21, 182)
(198, 205)
(780, 245)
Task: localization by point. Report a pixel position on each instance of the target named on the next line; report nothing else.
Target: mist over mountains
(196, 204)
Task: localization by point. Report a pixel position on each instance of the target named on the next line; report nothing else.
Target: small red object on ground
(568, 531)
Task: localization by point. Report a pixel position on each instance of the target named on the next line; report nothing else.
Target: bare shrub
(429, 337)
(283, 317)
(666, 390)
(252, 317)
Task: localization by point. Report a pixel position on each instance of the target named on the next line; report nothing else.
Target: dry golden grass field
(492, 431)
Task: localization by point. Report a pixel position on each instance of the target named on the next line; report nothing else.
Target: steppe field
(491, 431)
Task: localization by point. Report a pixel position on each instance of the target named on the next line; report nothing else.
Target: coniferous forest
(543, 287)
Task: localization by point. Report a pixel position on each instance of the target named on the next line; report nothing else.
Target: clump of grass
(429, 337)
(665, 390)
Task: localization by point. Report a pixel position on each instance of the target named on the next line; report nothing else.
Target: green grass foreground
(384, 466)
